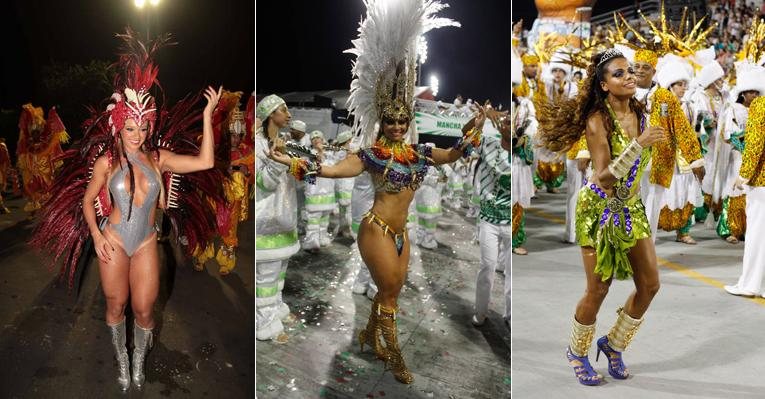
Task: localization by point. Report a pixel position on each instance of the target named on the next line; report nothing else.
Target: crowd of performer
(692, 103)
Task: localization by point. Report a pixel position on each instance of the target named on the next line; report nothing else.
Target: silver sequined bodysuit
(134, 231)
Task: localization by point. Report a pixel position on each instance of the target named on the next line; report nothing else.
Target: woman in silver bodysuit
(127, 252)
(111, 183)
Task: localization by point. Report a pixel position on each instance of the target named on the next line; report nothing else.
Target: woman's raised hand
(212, 97)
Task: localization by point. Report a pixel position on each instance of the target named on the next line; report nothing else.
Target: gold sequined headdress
(754, 48)
(529, 59)
(681, 41)
(394, 95)
(384, 70)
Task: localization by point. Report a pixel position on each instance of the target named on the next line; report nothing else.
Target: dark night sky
(300, 47)
(215, 42)
(525, 9)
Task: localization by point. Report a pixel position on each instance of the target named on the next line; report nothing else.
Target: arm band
(620, 166)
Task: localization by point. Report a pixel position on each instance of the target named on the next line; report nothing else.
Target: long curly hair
(563, 124)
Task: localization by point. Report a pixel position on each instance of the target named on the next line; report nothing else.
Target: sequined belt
(398, 238)
(618, 202)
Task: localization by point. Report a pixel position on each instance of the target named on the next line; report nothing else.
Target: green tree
(73, 87)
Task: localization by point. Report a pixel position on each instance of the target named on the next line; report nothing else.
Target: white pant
(426, 232)
(508, 281)
(503, 251)
(269, 283)
(491, 236)
(653, 198)
(342, 219)
(316, 233)
(754, 252)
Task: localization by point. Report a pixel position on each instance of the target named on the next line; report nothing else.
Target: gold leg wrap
(581, 338)
(549, 171)
(671, 220)
(623, 331)
(737, 216)
(517, 213)
(371, 334)
(386, 318)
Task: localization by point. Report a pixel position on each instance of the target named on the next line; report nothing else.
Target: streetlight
(434, 85)
(140, 4)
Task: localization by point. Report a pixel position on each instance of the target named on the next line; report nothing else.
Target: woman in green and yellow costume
(611, 224)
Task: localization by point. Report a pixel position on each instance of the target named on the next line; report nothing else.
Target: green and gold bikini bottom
(398, 238)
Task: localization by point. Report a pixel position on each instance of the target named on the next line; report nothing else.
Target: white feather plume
(387, 36)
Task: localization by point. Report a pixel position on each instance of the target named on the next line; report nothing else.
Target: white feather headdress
(384, 71)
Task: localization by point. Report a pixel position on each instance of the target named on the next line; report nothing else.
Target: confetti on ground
(329, 318)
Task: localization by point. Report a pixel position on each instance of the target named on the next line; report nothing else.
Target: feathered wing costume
(62, 231)
(38, 147)
(228, 120)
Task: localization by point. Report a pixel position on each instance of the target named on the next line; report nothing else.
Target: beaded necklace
(396, 165)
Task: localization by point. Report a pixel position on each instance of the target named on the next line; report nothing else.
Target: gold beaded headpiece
(395, 94)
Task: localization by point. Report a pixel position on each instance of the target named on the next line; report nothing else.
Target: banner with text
(445, 125)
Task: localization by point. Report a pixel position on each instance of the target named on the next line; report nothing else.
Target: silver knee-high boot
(119, 337)
(142, 340)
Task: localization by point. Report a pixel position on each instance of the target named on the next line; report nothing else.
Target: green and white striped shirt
(494, 181)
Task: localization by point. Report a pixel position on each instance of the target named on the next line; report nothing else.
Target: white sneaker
(371, 292)
(476, 322)
(734, 290)
(359, 288)
(325, 241)
(429, 244)
(270, 331)
(283, 311)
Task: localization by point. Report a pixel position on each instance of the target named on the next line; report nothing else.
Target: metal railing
(630, 12)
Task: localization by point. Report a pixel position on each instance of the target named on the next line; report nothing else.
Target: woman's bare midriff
(393, 208)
